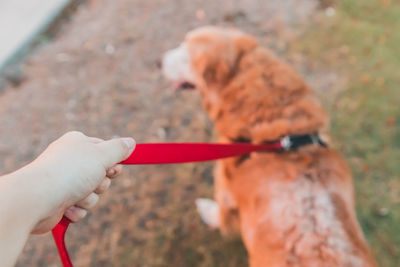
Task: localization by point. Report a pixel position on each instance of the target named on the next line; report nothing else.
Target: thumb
(116, 150)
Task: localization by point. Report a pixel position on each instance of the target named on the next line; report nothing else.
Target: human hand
(72, 172)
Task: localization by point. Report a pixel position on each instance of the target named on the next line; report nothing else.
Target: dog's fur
(294, 208)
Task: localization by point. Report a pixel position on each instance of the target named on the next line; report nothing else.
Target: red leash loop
(164, 153)
(59, 237)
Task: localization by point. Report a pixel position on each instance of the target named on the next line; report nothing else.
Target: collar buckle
(286, 143)
(292, 142)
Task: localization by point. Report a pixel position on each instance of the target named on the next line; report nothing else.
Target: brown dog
(294, 208)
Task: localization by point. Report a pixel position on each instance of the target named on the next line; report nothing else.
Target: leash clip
(286, 143)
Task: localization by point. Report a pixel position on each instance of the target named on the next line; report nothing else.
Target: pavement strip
(21, 22)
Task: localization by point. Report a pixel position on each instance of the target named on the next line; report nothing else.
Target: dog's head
(247, 91)
(207, 59)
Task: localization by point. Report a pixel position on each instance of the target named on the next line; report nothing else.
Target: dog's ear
(217, 72)
(245, 43)
(222, 66)
(216, 53)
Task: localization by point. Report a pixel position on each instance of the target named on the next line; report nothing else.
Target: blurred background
(92, 66)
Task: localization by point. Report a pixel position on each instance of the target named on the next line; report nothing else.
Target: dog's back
(298, 210)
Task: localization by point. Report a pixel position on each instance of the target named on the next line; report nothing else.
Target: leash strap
(167, 153)
(170, 153)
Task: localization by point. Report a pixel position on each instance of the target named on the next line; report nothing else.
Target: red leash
(59, 237)
(169, 153)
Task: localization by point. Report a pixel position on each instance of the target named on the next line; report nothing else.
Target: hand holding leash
(169, 153)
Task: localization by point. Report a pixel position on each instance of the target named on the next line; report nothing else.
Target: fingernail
(130, 143)
(75, 214)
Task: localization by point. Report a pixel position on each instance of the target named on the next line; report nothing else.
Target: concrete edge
(25, 45)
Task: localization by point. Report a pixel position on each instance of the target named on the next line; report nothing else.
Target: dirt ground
(99, 75)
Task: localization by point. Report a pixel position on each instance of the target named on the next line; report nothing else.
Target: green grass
(362, 43)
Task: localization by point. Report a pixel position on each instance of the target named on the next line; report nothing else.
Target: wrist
(19, 215)
(20, 212)
(29, 201)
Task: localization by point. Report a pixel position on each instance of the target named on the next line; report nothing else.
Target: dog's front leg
(222, 213)
(209, 212)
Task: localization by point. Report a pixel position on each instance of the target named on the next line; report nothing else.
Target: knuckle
(90, 201)
(95, 199)
(82, 215)
(106, 184)
(74, 134)
(117, 172)
(103, 186)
